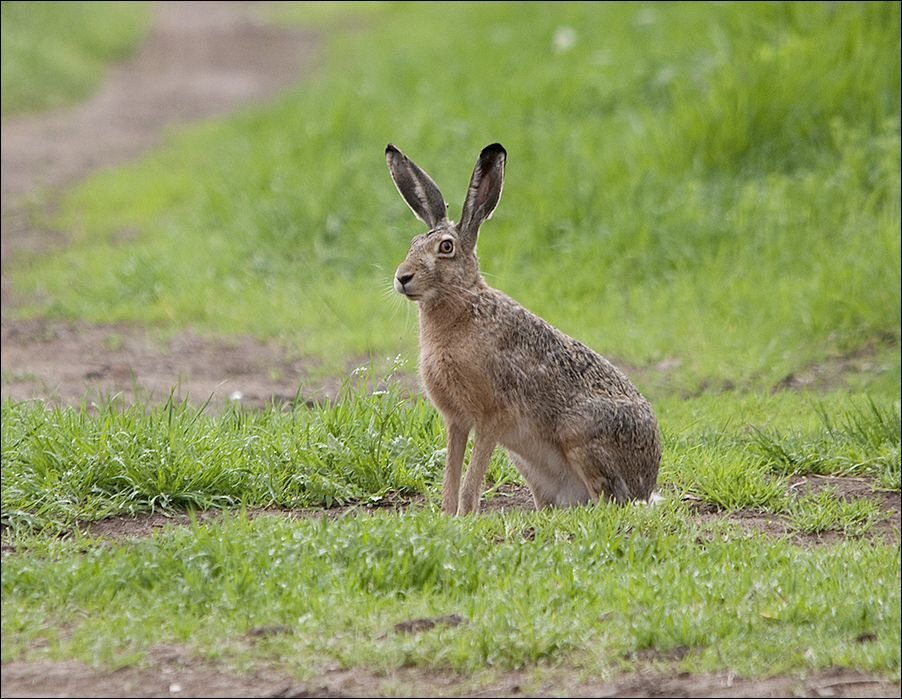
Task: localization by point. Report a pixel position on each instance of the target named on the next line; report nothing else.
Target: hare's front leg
(483, 446)
(454, 461)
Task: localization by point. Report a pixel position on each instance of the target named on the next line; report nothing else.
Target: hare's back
(530, 357)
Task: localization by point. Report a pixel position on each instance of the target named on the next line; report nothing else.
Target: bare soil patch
(505, 499)
(831, 372)
(517, 498)
(172, 673)
(199, 60)
(65, 363)
(847, 488)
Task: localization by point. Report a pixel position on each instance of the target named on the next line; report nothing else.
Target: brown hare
(575, 427)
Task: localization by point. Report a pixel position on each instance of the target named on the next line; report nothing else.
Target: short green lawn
(587, 588)
(584, 588)
(55, 53)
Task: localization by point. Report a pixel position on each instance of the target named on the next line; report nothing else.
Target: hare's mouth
(407, 293)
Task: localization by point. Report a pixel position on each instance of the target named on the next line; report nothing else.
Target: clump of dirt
(414, 626)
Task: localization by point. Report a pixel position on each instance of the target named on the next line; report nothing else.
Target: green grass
(328, 16)
(717, 184)
(862, 441)
(582, 589)
(706, 193)
(66, 465)
(822, 512)
(55, 53)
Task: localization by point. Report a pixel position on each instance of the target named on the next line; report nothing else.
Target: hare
(575, 427)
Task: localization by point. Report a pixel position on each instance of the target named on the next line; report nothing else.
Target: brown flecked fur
(575, 427)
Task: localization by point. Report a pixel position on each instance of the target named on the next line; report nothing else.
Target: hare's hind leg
(552, 485)
(608, 473)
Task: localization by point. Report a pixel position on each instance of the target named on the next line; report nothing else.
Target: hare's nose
(404, 278)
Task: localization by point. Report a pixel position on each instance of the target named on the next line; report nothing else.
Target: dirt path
(174, 673)
(199, 60)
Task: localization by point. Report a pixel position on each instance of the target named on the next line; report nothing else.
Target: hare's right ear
(419, 191)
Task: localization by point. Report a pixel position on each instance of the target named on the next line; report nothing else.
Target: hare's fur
(575, 427)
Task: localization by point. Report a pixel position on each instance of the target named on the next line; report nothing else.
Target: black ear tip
(390, 148)
(494, 149)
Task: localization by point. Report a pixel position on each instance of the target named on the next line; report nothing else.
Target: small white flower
(645, 17)
(564, 39)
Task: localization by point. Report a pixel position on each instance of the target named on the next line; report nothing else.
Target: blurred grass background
(711, 188)
(55, 53)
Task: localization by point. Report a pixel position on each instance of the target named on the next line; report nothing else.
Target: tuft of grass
(862, 440)
(731, 480)
(822, 511)
(55, 53)
(65, 465)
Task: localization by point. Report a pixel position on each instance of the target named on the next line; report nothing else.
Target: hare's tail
(654, 499)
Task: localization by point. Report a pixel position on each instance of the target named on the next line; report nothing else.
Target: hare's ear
(416, 187)
(485, 190)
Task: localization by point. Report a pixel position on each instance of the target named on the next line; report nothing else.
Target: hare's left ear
(484, 191)
(416, 187)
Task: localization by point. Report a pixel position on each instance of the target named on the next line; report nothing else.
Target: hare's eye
(446, 247)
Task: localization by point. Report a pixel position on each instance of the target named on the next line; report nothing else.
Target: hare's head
(441, 263)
